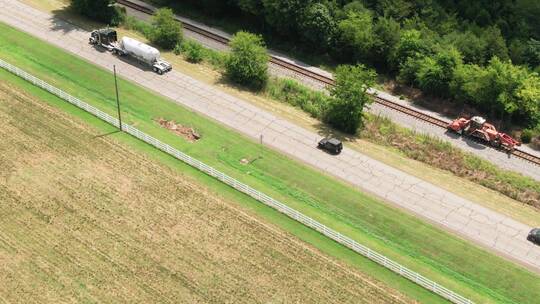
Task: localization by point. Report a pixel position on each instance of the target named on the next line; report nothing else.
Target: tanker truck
(130, 47)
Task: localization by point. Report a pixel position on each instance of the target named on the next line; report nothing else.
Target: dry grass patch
(84, 219)
(443, 155)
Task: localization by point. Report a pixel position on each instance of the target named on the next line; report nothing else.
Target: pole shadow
(106, 134)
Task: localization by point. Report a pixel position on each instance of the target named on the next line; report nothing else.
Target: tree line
(485, 53)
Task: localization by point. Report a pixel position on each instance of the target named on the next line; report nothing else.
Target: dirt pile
(186, 132)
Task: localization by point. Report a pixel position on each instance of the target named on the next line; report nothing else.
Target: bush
(193, 51)
(142, 27)
(247, 64)
(526, 136)
(216, 58)
(292, 92)
(166, 31)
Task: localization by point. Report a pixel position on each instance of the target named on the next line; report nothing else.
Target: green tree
(532, 52)
(318, 26)
(166, 32)
(495, 43)
(349, 96)
(356, 33)
(397, 9)
(247, 64)
(472, 47)
(252, 7)
(100, 10)
(283, 15)
(410, 45)
(528, 93)
(466, 85)
(528, 11)
(409, 69)
(436, 72)
(386, 32)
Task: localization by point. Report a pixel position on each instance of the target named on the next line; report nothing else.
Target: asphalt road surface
(487, 228)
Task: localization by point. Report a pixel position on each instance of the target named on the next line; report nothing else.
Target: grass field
(85, 219)
(450, 261)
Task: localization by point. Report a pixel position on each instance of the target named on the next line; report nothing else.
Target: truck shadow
(100, 48)
(476, 144)
(134, 62)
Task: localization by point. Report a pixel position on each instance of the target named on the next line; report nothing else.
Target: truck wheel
(155, 70)
(160, 72)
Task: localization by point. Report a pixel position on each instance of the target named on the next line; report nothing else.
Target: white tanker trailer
(107, 38)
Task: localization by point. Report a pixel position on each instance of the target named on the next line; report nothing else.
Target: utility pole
(261, 138)
(117, 99)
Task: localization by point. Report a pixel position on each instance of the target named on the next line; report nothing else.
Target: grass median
(453, 262)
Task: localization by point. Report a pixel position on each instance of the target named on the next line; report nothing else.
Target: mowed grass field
(85, 219)
(451, 261)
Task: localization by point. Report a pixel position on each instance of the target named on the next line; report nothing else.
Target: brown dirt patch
(186, 132)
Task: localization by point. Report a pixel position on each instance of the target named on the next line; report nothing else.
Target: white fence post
(336, 236)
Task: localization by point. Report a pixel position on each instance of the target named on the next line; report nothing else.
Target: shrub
(142, 27)
(193, 51)
(177, 49)
(526, 136)
(216, 58)
(166, 32)
(247, 64)
(292, 92)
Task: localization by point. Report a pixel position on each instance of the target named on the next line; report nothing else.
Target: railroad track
(321, 78)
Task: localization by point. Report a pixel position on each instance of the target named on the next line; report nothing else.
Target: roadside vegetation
(485, 54)
(127, 207)
(349, 97)
(166, 32)
(341, 109)
(421, 147)
(449, 260)
(247, 63)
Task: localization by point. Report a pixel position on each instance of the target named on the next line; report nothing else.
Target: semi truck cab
(103, 37)
(161, 66)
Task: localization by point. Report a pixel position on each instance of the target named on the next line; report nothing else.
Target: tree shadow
(67, 20)
(224, 80)
(325, 130)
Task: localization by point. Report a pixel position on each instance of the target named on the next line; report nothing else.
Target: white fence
(336, 236)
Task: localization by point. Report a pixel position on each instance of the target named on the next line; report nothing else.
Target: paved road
(485, 227)
(494, 156)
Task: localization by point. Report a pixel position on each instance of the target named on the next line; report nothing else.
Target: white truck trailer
(107, 38)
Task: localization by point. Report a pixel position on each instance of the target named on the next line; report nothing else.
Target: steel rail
(321, 78)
